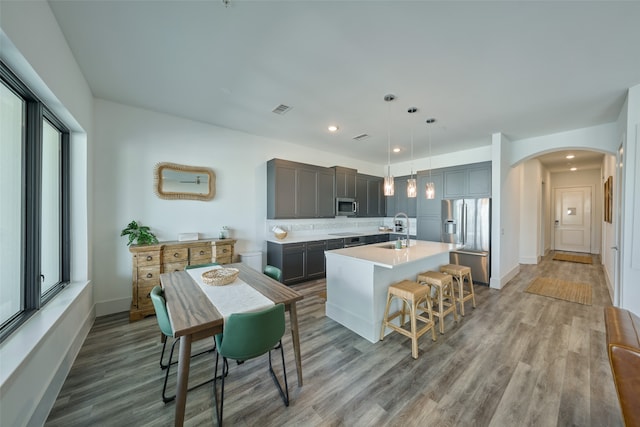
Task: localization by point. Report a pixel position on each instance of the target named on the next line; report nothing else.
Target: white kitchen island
(358, 279)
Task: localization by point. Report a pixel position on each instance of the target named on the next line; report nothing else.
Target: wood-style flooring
(517, 359)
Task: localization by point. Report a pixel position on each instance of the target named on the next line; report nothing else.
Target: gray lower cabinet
(298, 190)
(298, 261)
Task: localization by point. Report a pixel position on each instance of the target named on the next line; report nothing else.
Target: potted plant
(139, 234)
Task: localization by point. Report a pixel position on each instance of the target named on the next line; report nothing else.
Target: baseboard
(530, 260)
(114, 306)
(499, 283)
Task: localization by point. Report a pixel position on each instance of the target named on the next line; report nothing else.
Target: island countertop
(385, 254)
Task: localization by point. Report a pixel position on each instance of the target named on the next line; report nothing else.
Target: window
(34, 203)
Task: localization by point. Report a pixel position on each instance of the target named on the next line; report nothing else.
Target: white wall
(530, 211)
(129, 142)
(609, 229)
(37, 357)
(505, 213)
(630, 243)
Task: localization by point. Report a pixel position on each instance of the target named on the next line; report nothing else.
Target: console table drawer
(170, 255)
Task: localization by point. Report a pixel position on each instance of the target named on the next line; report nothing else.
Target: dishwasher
(478, 261)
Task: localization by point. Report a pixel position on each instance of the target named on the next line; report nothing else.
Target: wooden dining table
(193, 317)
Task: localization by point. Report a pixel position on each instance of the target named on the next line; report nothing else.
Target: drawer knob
(149, 257)
(224, 251)
(149, 275)
(176, 255)
(201, 252)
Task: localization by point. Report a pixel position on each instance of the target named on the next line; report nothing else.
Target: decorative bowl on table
(220, 276)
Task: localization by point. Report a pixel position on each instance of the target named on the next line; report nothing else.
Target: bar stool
(459, 272)
(443, 285)
(417, 298)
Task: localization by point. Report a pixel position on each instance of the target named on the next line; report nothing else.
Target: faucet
(407, 218)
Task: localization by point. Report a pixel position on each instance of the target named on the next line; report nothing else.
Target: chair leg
(164, 345)
(215, 388)
(166, 399)
(283, 394)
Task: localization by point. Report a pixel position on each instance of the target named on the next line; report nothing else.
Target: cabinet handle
(201, 252)
(176, 255)
(149, 275)
(149, 257)
(149, 295)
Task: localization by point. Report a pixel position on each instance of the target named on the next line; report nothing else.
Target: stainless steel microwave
(346, 206)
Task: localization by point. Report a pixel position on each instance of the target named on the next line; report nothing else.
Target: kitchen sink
(393, 246)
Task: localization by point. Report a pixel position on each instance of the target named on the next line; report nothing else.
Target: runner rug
(561, 289)
(583, 259)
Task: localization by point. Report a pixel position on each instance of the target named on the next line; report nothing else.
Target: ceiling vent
(281, 109)
(361, 137)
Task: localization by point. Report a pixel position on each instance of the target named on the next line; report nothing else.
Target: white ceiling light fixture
(412, 186)
(333, 128)
(430, 188)
(570, 156)
(388, 179)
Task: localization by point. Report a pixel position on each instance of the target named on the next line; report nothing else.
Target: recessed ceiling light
(396, 150)
(570, 156)
(333, 128)
(573, 169)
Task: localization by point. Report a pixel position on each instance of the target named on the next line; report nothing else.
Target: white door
(572, 223)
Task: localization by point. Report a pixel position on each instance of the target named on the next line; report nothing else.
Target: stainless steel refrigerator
(467, 222)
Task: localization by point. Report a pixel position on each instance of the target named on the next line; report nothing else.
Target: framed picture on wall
(608, 199)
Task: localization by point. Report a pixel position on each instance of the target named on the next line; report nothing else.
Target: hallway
(517, 359)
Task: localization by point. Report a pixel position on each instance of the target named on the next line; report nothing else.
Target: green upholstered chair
(247, 336)
(274, 272)
(211, 264)
(162, 316)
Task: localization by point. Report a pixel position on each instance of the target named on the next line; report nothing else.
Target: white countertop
(379, 254)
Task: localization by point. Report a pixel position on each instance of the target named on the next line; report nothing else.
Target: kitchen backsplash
(306, 227)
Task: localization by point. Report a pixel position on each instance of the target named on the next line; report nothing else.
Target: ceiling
(521, 68)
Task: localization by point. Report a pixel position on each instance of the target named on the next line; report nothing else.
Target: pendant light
(388, 179)
(412, 188)
(430, 188)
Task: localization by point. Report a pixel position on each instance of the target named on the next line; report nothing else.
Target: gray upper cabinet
(298, 190)
(429, 210)
(369, 195)
(480, 181)
(400, 202)
(345, 181)
(472, 180)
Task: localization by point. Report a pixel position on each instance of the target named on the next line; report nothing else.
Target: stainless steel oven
(346, 206)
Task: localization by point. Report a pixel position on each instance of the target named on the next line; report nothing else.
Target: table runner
(236, 297)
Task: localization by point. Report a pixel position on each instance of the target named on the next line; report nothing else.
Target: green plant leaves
(138, 234)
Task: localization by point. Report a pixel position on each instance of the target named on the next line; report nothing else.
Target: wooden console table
(149, 261)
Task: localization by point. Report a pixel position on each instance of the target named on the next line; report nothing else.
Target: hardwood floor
(517, 359)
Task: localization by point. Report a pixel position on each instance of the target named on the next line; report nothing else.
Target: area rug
(583, 259)
(561, 289)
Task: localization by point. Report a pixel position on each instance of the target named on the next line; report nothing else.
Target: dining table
(194, 316)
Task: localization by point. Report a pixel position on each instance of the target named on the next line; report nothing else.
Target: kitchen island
(358, 279)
